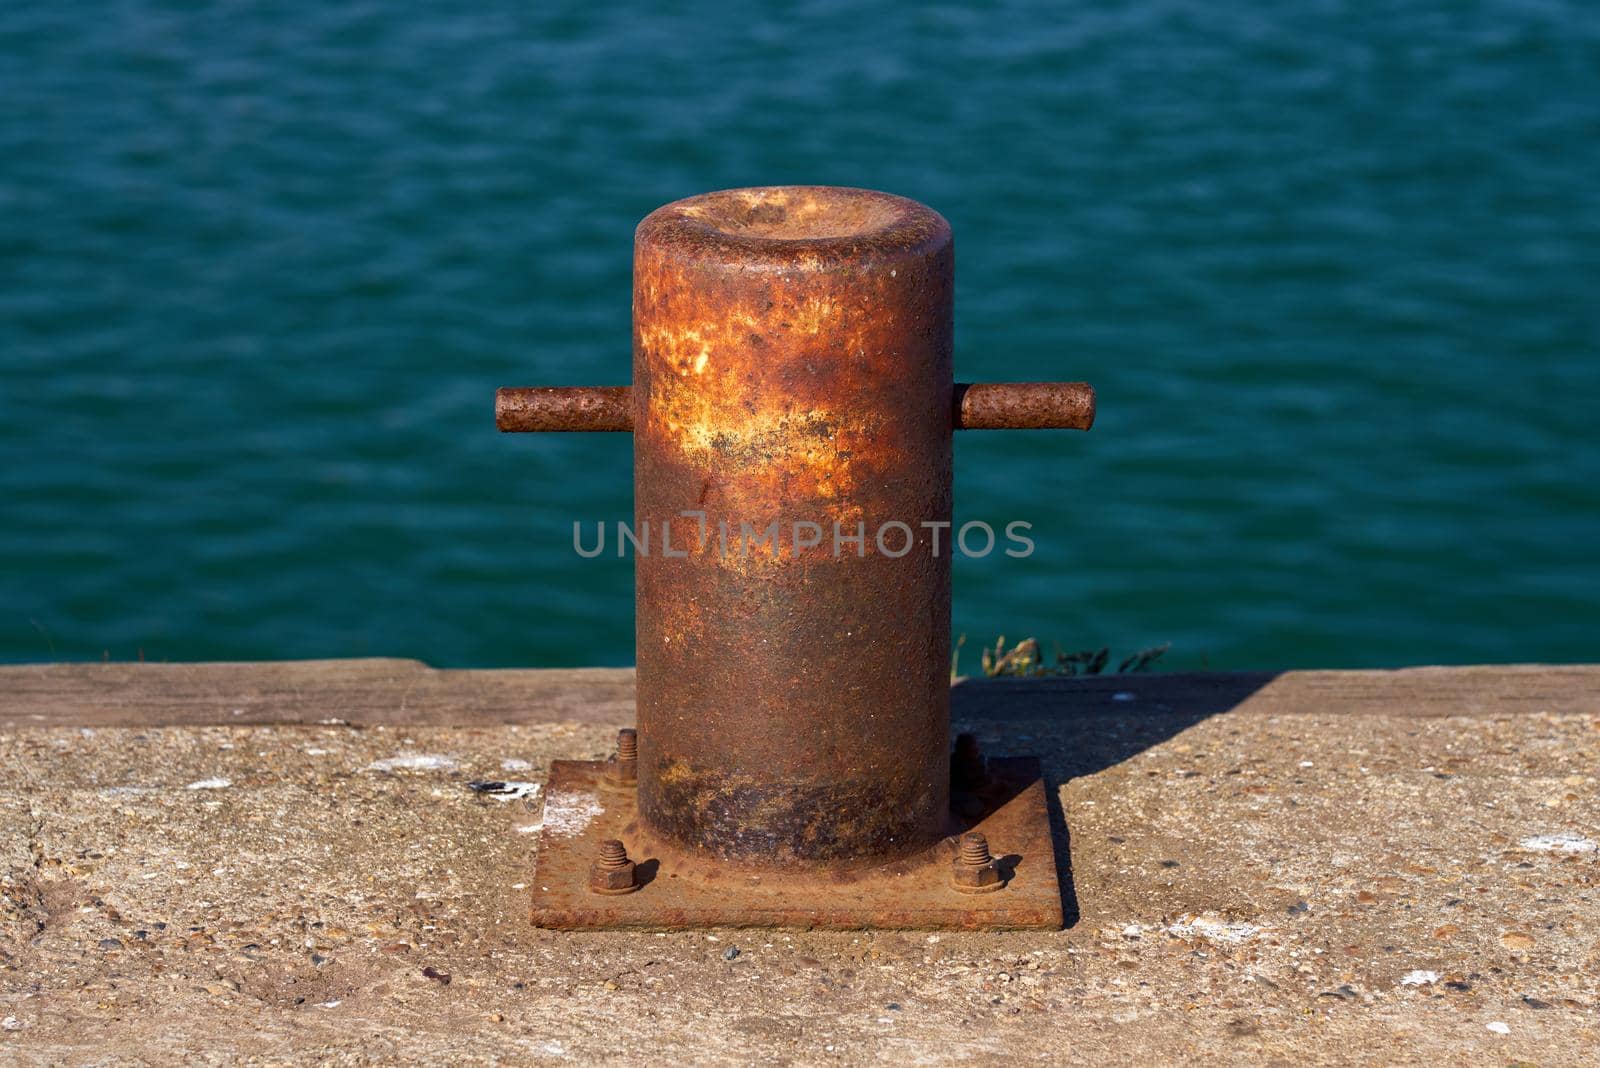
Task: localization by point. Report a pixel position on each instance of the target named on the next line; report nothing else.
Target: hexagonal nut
(612, 880)
(621, 772)
(976, 880)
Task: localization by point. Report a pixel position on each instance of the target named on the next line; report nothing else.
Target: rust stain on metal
(792, 374)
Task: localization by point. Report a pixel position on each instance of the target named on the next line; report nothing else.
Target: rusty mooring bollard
(792, 409)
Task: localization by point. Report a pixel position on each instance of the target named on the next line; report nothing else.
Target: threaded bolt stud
(973, 869)
(975, 850)
(613, 872)
(623, 769)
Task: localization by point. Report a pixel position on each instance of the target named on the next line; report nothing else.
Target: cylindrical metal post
(793, 392)
(792, 410)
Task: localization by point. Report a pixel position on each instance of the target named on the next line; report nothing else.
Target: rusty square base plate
(683, 890)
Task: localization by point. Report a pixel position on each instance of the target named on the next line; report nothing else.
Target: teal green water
(1333, 270)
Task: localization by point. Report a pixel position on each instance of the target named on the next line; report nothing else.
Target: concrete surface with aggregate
(1265, 884)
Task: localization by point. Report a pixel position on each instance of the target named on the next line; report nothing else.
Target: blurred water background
(1332, 266)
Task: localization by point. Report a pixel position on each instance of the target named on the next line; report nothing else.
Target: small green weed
(1026, 659)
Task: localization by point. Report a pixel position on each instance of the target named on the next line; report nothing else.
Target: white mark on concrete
(1499, 1028)
(210, 784)
(532, 828)
(514, 764)
(1419, 977)
(1565, 842)
(1133, 930)
(413, 762)
(11, 1023)
(1212, 929)
(567, 814)
(552, 1048)
(1307, 764)
(314, 751)
(334, 1004)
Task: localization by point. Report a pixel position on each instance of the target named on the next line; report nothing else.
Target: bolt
(973, 869)
(968, 769)
(613, 872)
(975, 850)
(623, 768)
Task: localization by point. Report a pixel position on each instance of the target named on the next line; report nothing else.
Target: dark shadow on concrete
(1061, 840)
(1078, 726)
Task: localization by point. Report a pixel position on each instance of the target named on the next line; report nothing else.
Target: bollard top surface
(794, 227)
